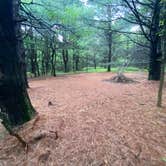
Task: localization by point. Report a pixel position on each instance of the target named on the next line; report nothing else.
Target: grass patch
(93, 70)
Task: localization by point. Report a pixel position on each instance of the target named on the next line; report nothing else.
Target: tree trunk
(161, 85)
(155, 43)
(155, 63)
(33, 54)
(109, 55)
(53, 62)
(77, 62)
(46, 58)
(163, 49)
(14, 99)
(94, 62)
(65, 60)
(20, 45)
(109, 37)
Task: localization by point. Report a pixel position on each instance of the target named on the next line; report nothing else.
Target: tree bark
(65, 60)
(150, 30)
(14, 99)
(154, 63)
(155, 49)
(163, 49)
(53, 62)
(110, 53)
(109, 37)
(33, 54)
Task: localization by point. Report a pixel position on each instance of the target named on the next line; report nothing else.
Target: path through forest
(99, 123)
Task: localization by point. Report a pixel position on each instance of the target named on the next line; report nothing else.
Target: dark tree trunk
(14, 99)
(46, 58)
(155, 63)
(155, 50)
(109, 37)
(152, 27)
(53, 62)
(65, 60)
(94, 62)
(77, 60)
(43, 64)
(73, 64)
(37, 71)
(33, 54)
(20, 45)
(109, 55)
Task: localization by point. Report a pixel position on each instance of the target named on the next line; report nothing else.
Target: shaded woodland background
(84, 119)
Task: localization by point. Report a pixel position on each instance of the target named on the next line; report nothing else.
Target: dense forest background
(69, 36)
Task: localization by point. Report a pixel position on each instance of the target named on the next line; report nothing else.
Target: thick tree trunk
(163, 50)
(155, 63)
(14, 98)
(155, 49)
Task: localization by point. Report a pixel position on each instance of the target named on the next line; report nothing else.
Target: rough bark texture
(14, 99)
(154, 63)
(163, 59)
(155, 49)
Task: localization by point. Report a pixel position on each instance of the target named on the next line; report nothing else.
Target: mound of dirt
(120, 78)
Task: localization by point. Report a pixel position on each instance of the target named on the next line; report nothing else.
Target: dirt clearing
(86, 121)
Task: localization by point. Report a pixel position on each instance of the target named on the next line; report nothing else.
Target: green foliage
(83, 31)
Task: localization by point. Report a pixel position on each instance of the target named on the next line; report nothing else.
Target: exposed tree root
(5, 123)
(35, 121)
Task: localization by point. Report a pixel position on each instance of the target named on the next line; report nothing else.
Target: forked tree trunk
(14, 99)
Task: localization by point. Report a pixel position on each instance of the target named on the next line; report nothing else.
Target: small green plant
(164, 159)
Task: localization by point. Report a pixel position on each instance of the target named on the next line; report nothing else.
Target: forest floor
(84, 120)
